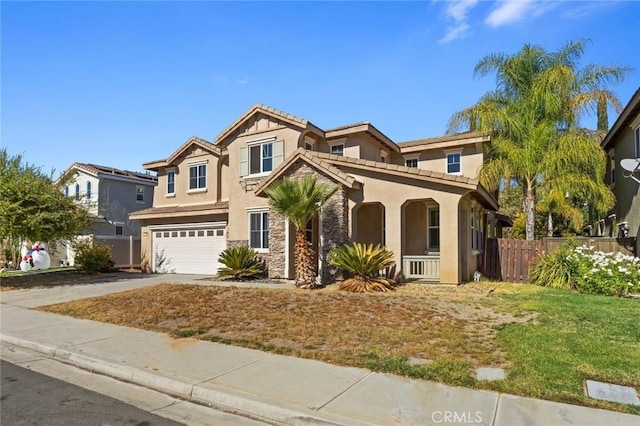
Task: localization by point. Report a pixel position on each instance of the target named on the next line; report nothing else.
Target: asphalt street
(30, 398)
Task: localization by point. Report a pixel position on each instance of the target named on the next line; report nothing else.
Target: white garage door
(188, 249)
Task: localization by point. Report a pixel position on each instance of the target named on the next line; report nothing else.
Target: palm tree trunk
(549, 225)
(530, 211)
(305, 270)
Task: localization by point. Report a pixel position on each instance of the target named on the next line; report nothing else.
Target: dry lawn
(430, 322)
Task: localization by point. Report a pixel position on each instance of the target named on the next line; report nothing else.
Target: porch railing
(425, 267)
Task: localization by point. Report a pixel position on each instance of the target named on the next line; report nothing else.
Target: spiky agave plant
(240, 263)
(363, 262)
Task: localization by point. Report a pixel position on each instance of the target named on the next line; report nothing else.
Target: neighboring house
(110, 195)
(623, 142)
(421, 199)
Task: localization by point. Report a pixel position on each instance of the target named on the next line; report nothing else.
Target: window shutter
(244, 161)
(278, 153)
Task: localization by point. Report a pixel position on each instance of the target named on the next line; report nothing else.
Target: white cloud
(457, 11)
(588, 8)
(509, 11)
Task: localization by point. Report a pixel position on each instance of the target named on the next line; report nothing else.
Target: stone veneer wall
(335, 214)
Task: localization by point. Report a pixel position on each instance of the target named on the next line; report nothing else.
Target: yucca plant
(363, 262)
(240, 262)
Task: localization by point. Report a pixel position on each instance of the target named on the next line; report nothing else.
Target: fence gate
(510, 260)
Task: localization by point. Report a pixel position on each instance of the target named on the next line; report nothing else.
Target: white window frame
(432, 248)
(411, 158)
(77, 191)
(477, 230)
(264, 245)
(117, 225)
(173, 174)
(139, 191)
(335, 144)
(260, 145)
(88, 190)
(309, 143)
(452, 152)
(66, 191)
(197, 166)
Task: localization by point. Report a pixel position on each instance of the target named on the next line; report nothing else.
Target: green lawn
(574, 338)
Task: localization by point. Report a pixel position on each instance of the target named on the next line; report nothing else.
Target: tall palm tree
(301, 200)
(558, 203)
(533, 116)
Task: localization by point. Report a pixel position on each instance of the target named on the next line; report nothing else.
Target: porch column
(393, 232)
(449, 240)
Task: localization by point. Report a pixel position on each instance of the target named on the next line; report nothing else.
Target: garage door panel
(188, 251)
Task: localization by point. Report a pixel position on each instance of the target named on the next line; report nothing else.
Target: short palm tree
(363, 263)
(240, 262)
(532, 117)
(301, 200)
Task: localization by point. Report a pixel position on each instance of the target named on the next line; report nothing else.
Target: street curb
(216, 396)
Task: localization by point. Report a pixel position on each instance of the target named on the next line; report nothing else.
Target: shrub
(363, 262)
(555, 269)
(92, 256)
(588, 271)
(240, 263)
(615, 274)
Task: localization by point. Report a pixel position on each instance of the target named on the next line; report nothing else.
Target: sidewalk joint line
(230, 371)
(495, 412)
(344, 391)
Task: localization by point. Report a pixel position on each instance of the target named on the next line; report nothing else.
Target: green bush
(555, 269)
(363, 262)
(240, 262)
(588, 271)
(92, 256)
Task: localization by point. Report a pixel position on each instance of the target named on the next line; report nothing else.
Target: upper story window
(383, 156)
(197, 176)
(259, 230)
(337, 149)
(453, 163)
(411, 162)
(88, 190)
(171, 182)
(637, 133)
(139, 194)
(77, 191)
(66, 191)
(261, 158)
(119, 229)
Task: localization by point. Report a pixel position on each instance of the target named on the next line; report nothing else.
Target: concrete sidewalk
(273, 388)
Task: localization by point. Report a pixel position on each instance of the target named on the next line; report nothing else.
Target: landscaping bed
(548, 340)
(49, 277)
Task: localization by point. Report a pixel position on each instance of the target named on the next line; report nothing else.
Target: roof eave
(634, 103)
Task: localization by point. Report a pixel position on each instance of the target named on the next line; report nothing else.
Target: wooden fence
(608, 245)
(510, 260)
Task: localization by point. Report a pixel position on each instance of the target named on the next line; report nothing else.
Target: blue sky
(123, 83)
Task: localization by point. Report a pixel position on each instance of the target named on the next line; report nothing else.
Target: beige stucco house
(623, 142)
(421, 198)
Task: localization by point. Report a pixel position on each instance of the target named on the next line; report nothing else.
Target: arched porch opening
(421, 240)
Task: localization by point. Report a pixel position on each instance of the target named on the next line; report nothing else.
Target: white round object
(25, 266)
(41, 259)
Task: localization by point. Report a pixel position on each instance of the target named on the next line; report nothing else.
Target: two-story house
(623, 142)
(421, 199)
(110, 195)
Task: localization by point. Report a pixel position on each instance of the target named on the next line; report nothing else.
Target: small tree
(33, 207)
(300, 200)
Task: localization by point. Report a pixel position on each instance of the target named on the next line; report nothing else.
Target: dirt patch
(328, 325)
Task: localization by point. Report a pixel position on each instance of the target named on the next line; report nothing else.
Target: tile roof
(222, 206)
(439, 139)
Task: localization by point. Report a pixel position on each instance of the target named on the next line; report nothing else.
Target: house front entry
(421, 240)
